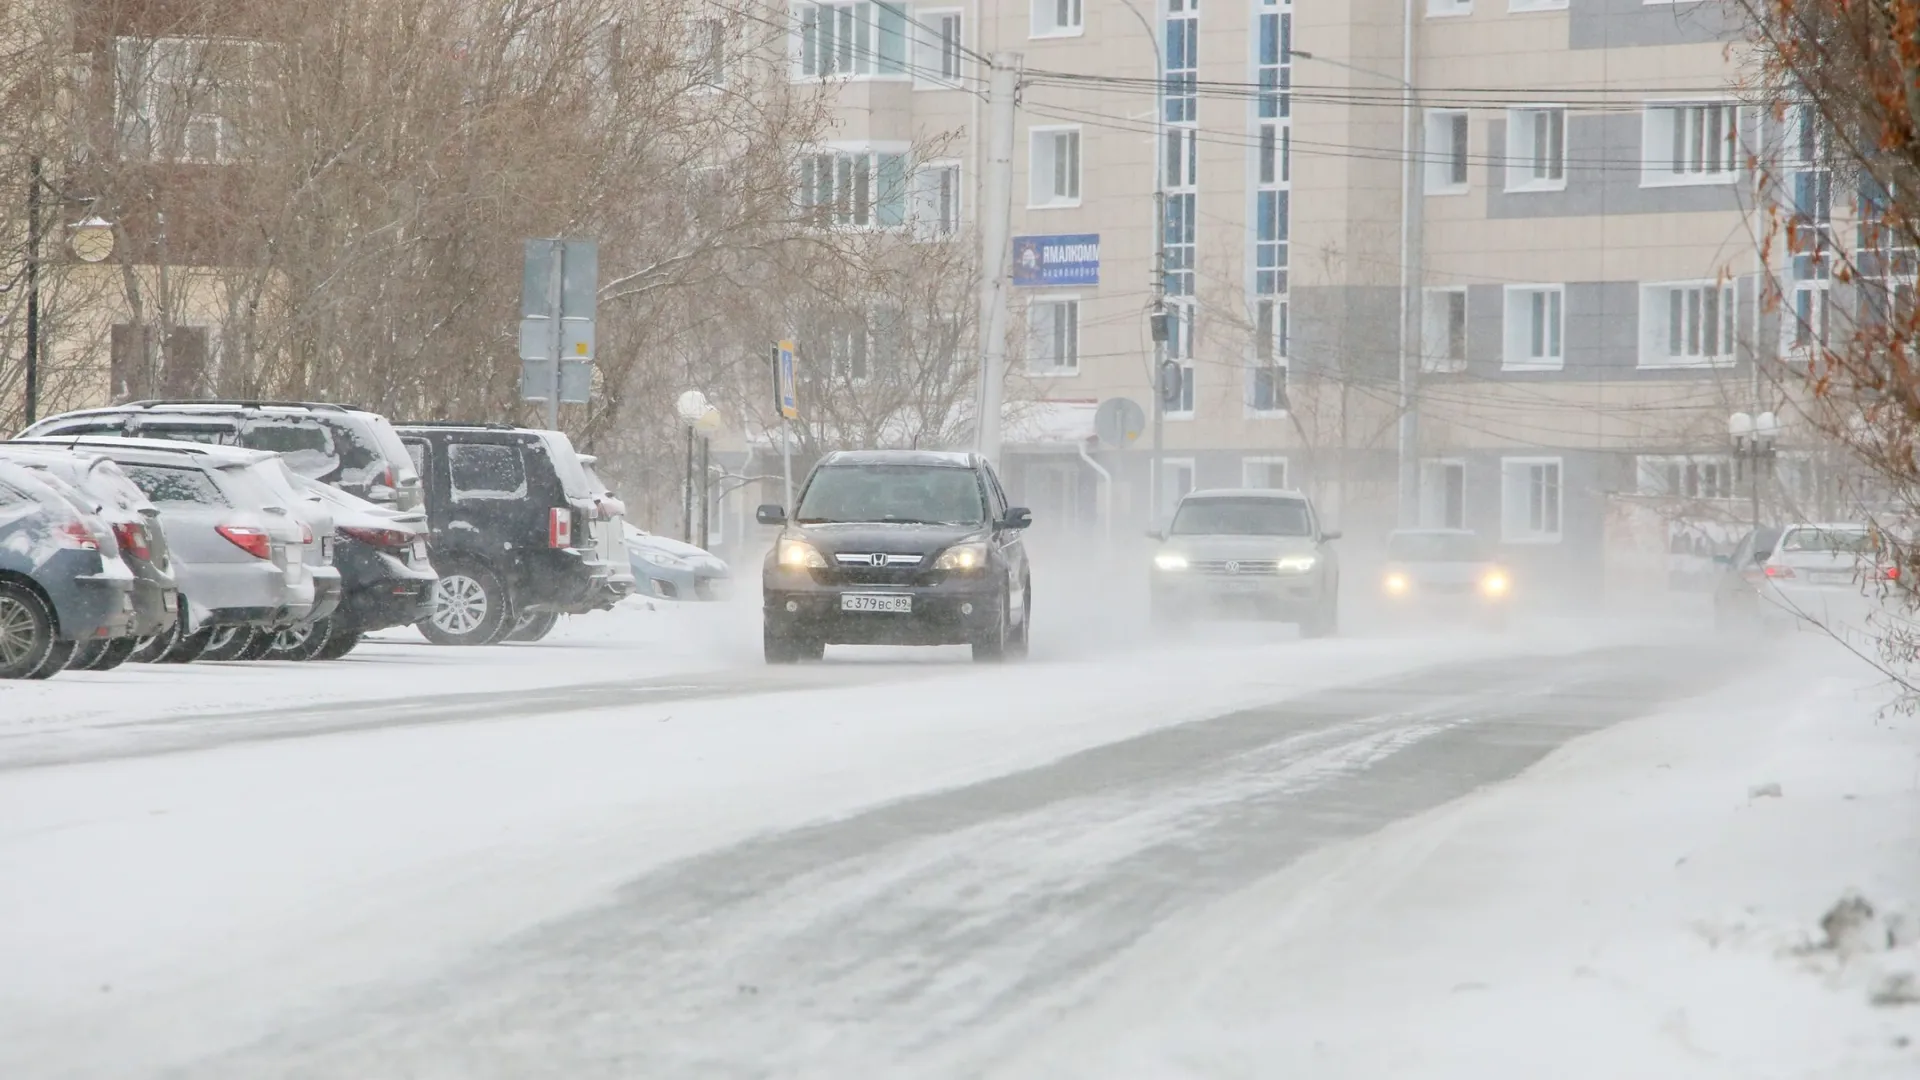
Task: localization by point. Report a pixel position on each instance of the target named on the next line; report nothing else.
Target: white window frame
(1437, 334)
(924, 209)
(1656, 323)
(1169, 499)
(866, 161)
(1432, 511)
(931, 54)
(1523, 161)
(863, 61)
(146, 68)
(1652, 475)
(1054, 371)
(708, 54)
(1441, 160)
(1246, 472)
(1517, 338)
(1449, 9)
(1044, 164)
(1189, 393)
(1657, 120)
(1818, 323)
(1044, 18)
(1511, 478)
(1522, 7)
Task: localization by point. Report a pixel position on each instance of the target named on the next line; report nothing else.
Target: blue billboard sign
(1048, 261)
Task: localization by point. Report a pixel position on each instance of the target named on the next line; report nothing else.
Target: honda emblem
(878, 558)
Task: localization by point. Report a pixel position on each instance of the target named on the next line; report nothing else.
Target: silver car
(1444, 573)
(1247, 551)
(238, 547)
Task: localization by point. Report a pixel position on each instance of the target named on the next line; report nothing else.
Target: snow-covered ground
(1645, 903)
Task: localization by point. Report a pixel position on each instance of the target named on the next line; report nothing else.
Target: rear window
(1242, 517)
(487, 471)
(213, 436)
(284, 436)
(110, 482)
(387, 441)
(1848, 541)
(1435, 547)
(170, 486)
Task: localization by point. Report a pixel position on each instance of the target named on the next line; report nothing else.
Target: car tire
(88, 656)
(777, 648)
(149, 650)
(224, 643)
(470, 607)
(991, 646)
(1020, 639)
(26, 630)
(56, 661)
(115, 654)
(258, 646)
(189, 647)
(299, 642)
(338, 644)
(533, 626)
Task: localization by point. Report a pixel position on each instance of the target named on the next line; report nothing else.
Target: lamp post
(1753, 440)
(1157, 323)
(1410, 193)
(701, 420)
(90, 240)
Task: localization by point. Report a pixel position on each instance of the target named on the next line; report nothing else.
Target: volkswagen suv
(1247, 551)
(897, 547)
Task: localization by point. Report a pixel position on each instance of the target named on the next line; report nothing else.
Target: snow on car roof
(1246, 493)
(950, 458)
(210, 452)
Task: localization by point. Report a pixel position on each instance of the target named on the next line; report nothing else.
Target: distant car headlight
(1297, 564)
(1170, 560)
(800, 555)
(664, 560)
(1396, 584)
(1495, 583)
(968, 556)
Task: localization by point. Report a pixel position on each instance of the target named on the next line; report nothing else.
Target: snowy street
(633, 850)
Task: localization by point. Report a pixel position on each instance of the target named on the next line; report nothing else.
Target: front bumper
(796, 606)
(1273, 595)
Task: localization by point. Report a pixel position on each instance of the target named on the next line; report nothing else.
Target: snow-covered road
(634, 852)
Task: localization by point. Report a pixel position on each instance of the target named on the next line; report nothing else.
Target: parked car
(511, 516)
(275, 484)
(352, 449)
(140, 542)
(897, 547)
(237, 547)
(1446, 573)
(672, 570)
(1738, 590)
(386, 578)
(1251, 551)
(58, 588)
(1825, 574)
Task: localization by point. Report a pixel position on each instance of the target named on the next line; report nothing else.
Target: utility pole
(33, 289)
(1411, 201)
(996, 226)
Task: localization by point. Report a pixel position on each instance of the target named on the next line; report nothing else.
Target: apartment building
(1582, 305)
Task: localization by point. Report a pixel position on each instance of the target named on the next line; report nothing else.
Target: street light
(1753, 440)
(1410, 194)
(91, 241)
(1157, 322)
(702, 419)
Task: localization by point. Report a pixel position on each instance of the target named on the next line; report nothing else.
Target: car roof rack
(244, 403)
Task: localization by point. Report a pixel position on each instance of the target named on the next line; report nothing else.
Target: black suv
(513, 529)
(898, 547)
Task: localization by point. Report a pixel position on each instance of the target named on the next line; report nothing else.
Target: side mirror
(380, 493)
(770, 514)
(1330, 534)
(1018, 517)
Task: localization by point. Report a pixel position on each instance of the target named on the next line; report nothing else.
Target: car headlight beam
(1396, 584)
(1170, 560)
(1495, 583)
(965, 557)
(800, 555)
(1297, 564)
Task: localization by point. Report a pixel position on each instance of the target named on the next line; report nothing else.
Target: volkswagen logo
(1233, 567)
(878, 558)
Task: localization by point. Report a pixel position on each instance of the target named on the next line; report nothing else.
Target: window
(1691, 143)
(1443, 494)
(1264, 472)
(852, 39)
(937, 48)
(1534, 321)
(1274, 153)
(1182, 35)
(1808, 319)
(707, 52)
(1441, 9)
(1274, 62)
(1530, 500)
(486, 471)
(1180, 397)
(1268, 392)
(1053, 337)
(1537, 148)
(1055, 18)
(1055, 172)
(1176, 480)
(854, 188)
(1689, 323)
(936, 201)
(184, 99)
(1444, 347)
(1270, 241)
(167, 485)
(1446, 152)
(1181, 329)
(847, 351)
(1687, 477)
(1518, 6)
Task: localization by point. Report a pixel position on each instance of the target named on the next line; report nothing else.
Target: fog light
(966, 609)
(793, 605)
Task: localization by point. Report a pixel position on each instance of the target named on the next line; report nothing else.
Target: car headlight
(1396, 584)
(1297, 564)
(1495, 583)
(968, 556)
(800, 555)
(664, 560)
(1170, 560)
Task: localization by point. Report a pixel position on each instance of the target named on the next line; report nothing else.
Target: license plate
(326, 549)
(1832, 578)
(167, 601)
(419, 551)
(857, 602)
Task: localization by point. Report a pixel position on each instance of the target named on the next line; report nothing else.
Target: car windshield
(1850, 541)
(168, 485)
(1435, 547)
(1237, 516)
(922, 494)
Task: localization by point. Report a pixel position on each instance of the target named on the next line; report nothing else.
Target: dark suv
(513, 529)
(898, 547)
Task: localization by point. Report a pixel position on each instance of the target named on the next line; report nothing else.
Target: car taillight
(133, 540)
(1892, 573)
(74, 534)
(254, 542)
(1774, 570)
(386, 538)
(560, 527)
(306, 534)
(390, 478)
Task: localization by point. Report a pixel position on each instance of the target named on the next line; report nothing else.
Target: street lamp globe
(692, 406)
(1766, 427)
(90, 240)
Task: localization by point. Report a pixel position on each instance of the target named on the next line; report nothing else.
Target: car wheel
(534, 625)
(258, 647)
(26, 630)
(300, 642)
(991, 646)
(149, 650)
(469, 607)
(189, 647)
(776, 647)
(88, 656)
(1020, 641)
(338, 644)
(225, 643)
(56, 660)
(115, 654)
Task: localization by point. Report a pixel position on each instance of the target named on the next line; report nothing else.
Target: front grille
(876, 559)
(868, 575)
(1243, 567)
